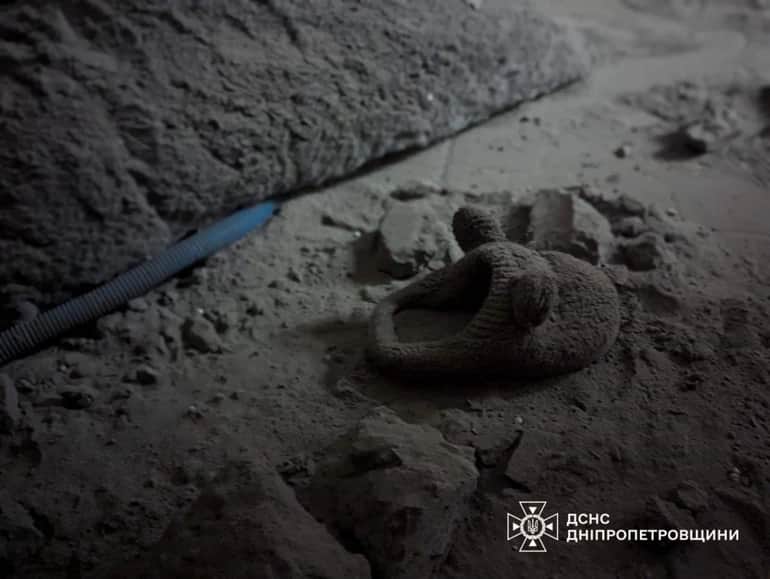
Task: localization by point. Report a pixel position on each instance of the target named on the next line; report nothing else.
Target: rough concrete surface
(113, 434)
(396, 491)
(128, 123)
(247, 523)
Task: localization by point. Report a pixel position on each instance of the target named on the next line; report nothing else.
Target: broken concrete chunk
(17, 304)
(645, 252)
(247, 524)
(26, 311)
(415, 190)
(373, 294)
(146, 375)
(9, 405)
(690, 496)
(199, 334)
(409, 238)
(630, 206)
(559, 220)
(138, 305)
(397, 490)
(612, 206)
(632, 226)
(330, 219)
(398, 240)
(530, 459)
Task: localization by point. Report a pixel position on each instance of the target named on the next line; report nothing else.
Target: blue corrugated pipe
(28, 336)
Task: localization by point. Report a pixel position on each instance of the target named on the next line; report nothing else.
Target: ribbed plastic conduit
(28, 336)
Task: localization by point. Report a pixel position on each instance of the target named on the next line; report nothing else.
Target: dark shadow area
(763, 101)
(345, 358)
(493, 465)
(442, 393)
(677, 146)
(365, 270)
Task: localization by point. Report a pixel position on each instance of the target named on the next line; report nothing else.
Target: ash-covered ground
(227, 424)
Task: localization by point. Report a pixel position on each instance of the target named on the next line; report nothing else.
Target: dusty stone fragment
(690, 496)
(246, 524)
(645, 252)
(409, 238)
(632, 226)
(415, 190)
(614, 207)
(138, 305)
(340, 222)
(368, 294)
(9, 405)
(199, 334)
(559, 220)
(530, 459)
(398, 243)
(26, 311)
(631, 206)
(146, 375)
(398, 489)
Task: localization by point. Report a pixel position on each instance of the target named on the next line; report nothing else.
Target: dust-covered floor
(258, 355)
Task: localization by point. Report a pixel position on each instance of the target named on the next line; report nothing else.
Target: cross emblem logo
(532, 527)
